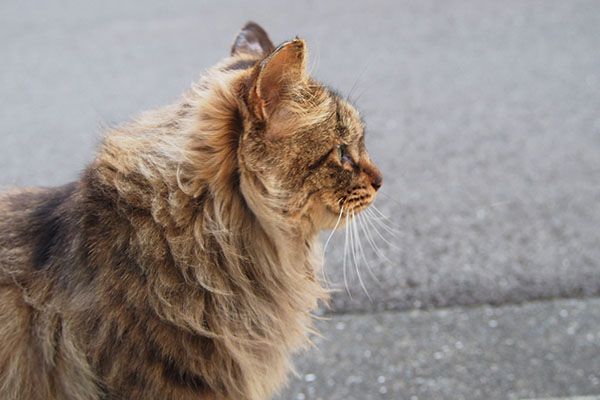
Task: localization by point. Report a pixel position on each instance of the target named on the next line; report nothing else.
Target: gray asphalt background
(484, 119)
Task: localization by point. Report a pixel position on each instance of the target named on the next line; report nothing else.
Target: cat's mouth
(350, 208)
(355, 201)
(334, 218)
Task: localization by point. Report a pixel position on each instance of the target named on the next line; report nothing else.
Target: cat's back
(33, 221)
(15, 313)
(34, 229)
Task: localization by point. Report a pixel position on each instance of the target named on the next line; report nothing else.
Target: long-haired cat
(180, 265)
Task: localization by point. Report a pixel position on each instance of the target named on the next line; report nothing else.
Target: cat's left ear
(275, 75)
(252, 40)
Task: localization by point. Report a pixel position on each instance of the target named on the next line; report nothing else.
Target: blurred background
(483, 118)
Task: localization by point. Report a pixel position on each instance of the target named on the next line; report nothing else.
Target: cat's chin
(329, 218)
(333, 212)
(339, 215)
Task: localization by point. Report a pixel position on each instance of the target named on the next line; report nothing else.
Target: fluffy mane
(242, 276)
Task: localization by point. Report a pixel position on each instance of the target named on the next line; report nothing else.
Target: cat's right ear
(252, 40)
(275, 75)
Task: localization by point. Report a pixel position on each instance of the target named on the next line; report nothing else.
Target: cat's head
(302, 144)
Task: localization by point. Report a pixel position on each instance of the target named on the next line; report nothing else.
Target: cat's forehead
(349, 121)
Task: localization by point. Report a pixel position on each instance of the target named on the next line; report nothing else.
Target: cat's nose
(377, 181)
(374, 175)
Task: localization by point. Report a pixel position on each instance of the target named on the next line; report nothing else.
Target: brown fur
(180, 265)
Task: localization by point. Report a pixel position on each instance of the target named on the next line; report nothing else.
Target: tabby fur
(181, 265)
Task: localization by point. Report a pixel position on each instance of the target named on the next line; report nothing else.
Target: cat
(181, 264)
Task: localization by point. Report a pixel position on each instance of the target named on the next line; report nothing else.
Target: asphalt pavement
(536, 350)
(483, 118)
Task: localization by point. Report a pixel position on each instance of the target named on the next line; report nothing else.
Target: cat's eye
(339, 150)
(343, 154)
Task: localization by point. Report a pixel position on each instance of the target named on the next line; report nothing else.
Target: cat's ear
(281, 70)
(252, 40)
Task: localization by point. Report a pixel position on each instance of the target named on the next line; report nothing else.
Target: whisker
(344, 260)
(378, 221)
(333, 231)
(327, 243)
(382, 192)
(361, 250)
(355, 258)
(355, 85)
(385, 220)
(371, 240)
(374, 228)
(374, 207)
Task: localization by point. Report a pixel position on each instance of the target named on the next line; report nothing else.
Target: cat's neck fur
(208, 236)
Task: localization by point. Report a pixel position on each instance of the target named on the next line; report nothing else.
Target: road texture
(483, 118)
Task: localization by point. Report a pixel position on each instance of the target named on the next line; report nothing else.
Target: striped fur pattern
(181, 264)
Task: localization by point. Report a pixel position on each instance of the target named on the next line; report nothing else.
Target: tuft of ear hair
(252, 40)
(285, 67)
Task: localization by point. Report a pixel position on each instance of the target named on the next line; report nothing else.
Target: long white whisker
(361, 250)
(379, 222)
(384, 221)
(385, 217)
(333, 231)
(371, 240)
(384, 193)
(353, 241)
(326, 244)
(344, 262)
(374, 228)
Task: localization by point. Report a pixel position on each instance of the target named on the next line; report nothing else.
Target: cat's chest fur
(149, 311)
(198, 320)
